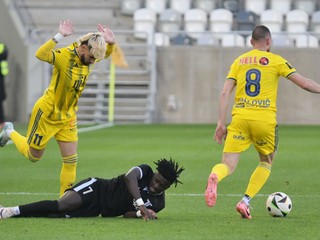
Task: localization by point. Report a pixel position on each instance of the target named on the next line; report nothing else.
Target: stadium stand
(308, 6)
(130, 6)
(221, 20)
(273, 19)
(195, 22)
(180, 5)
(208, 39)
(256, 6)
(170, 22)
(206, 5)
(181, 39)
(232, 40)
(306, 41)
(282, 6)
(144, 23)
(232, 5)
(245, 20)
(297, 21)
(156, 5)
(161, 39)
(315, 21)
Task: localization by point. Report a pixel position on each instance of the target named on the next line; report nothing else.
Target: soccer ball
(278, 204)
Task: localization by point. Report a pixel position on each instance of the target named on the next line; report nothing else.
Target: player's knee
(33, 158)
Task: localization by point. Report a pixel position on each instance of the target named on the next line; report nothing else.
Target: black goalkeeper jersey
(115, 198)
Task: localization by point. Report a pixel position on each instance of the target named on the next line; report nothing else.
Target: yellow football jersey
(256, 74)
(69, 77)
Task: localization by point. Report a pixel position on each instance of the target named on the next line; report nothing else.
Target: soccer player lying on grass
(138, 193)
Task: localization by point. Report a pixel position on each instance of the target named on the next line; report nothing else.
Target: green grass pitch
(112, 151)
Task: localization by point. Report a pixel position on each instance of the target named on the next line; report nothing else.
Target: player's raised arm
(44, 52)
(107, 34)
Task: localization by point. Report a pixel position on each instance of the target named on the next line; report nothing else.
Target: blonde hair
(96, 44)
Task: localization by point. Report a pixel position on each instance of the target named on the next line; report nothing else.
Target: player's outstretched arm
(305, 83)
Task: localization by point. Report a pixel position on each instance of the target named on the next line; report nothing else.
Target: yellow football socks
(221, 170)
(68, 173)
(258, 179)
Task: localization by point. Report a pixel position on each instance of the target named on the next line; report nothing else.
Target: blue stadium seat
(246, 20)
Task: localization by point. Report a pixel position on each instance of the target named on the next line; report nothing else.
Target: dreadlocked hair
(170, 170)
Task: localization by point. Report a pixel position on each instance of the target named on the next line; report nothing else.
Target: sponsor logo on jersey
(248, 60)
(264, 61)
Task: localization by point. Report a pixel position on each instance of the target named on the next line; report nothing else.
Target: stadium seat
(297, 21)
(315, 21)
(282, 41)
(170, 22)
(195, 22)
(272, 19)
(256, 6)
(206, 39)
(246, 20)
(306, 41)
(161, 39)
(231, 5)
(206, 5)
(282, 6)
(181, 39)
(156, 5)
(278, 40)
(221, 20)
(308, 6)
(232, 40)
(144, 23)
(130, 6)
(180, 5)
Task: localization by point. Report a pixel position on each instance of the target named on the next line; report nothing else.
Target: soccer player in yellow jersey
(255, 76)
(54, 114)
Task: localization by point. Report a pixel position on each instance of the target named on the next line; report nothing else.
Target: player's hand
(107, 34)
(66, 27)
(153, 213)
(220, 133)
(147, 214)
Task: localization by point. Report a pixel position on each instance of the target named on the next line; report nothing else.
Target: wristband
(138, 213)
(139, 202)
(58, 37)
